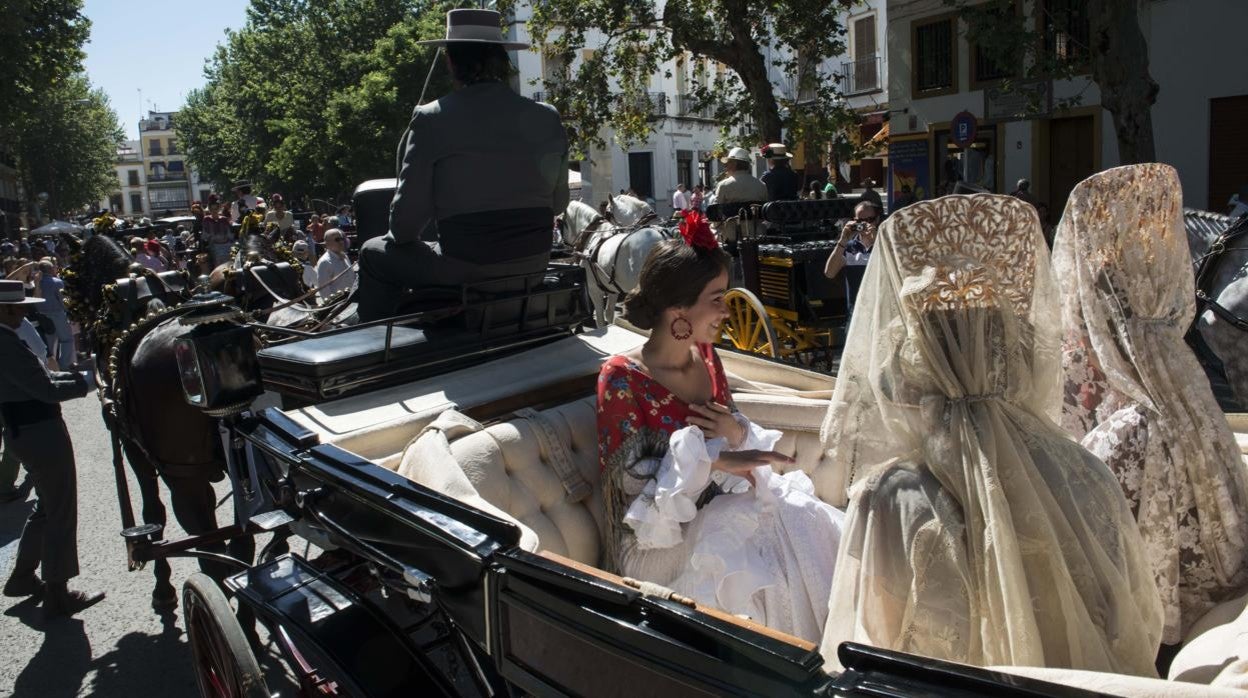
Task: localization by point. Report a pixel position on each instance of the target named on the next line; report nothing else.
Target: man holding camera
(853, 249)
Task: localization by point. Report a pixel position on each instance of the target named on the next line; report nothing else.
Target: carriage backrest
(371, 202)
(812, 211)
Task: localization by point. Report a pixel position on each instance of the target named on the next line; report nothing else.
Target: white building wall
(1188, 44)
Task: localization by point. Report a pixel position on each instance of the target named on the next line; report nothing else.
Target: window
(154, 147)
(136, 203)
(173, 146)
(935, 58)
(133, 177)
(983, 66)
(165, 198)
(1065, 25)
(115, 203)
(203, 196)
(866, 70)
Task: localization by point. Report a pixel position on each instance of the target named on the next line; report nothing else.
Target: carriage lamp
(216, 357)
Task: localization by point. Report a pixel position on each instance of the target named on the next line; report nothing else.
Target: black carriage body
(433, 597)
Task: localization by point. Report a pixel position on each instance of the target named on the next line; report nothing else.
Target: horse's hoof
(162, 603)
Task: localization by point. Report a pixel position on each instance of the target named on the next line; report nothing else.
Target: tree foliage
(631, 40)
(67, 144)
(312, 94)
(1113, 54)
(40, 44)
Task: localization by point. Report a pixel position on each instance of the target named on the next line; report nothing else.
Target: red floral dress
(636, 418)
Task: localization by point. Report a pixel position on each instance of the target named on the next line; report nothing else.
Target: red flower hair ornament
(696, 231)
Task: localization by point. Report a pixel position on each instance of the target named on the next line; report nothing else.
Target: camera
(860, 226)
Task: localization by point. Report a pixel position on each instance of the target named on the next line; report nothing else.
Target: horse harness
(591, 255)
(1208, 265)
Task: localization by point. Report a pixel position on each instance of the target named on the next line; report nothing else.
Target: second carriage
(781, 305)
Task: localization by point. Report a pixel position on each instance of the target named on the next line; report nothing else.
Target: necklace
(679, 369)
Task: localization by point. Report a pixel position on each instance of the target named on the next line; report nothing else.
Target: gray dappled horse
(611, 253)
(1219, 247)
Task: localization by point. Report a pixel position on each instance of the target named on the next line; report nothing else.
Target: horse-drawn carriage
(783, 305)
(445, 466)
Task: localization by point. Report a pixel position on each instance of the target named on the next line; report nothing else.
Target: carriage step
(269, 520)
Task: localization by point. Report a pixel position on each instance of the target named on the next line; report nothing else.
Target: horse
(627, 211)
(160, 434)
(611, 255)
(1219, 247)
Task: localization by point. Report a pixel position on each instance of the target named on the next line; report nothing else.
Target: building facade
(167, 172)
(129, 196)
(952, 121)
(679, 150)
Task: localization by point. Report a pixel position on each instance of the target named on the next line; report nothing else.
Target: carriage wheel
(225, 666)
(748, 327)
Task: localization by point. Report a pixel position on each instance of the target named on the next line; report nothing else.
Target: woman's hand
(716, 420)
(742, 463)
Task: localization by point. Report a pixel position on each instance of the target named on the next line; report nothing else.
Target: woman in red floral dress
(691, 500)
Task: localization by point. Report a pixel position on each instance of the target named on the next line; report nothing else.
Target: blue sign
(964, 127)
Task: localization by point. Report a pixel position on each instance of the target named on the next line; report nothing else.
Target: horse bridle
(1207, 266)
(590, 255)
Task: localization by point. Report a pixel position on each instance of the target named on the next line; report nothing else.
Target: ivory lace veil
(976, 531)
(1134, 392)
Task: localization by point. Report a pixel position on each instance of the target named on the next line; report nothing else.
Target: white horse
(1221, 243)
(611, 255)
(627, 211)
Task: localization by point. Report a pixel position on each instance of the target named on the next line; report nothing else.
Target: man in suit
(486, 226)
(30, 398)
(782, 182)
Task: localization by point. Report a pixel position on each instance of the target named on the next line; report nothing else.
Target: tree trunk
(741, 54)
(1120, 68)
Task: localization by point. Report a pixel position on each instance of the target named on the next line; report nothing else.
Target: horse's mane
(1202, 228)
(99, 262)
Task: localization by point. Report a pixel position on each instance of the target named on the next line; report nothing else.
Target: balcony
(687, 106)
(652, 103)
(166, 177)
(860, 76)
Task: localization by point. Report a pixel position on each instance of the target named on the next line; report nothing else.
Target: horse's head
(627, 211)
(575, 220)
(94, 265)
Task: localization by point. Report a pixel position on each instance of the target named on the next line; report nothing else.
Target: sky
(156, 47)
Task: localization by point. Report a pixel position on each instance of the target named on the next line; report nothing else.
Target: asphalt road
(120, 647)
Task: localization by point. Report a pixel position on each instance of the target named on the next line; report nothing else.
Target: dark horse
(162, 436)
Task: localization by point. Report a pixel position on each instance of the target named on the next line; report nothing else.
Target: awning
(880, 137)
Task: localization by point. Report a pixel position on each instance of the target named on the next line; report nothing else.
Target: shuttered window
(934, 58)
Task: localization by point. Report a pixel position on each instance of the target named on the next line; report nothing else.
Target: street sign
(964, 127)
(1023, 100)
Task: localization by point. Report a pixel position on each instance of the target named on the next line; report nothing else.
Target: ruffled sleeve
(670, 499)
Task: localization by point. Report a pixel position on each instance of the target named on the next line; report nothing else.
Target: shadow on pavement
(12, 519)
(62, 661)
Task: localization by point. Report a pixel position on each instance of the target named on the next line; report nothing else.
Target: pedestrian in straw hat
(782, 182)
(486, 227)
(738, 186)
(30, 398)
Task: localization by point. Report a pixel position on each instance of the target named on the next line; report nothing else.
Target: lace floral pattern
(978, 532)
(1134, 393)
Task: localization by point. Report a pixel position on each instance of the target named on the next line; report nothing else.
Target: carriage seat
(540, 469)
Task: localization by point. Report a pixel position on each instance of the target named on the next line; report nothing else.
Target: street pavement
(120, 647)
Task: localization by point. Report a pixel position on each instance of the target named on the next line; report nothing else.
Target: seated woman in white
(976, 531)
(691, 500)
(1134, 393)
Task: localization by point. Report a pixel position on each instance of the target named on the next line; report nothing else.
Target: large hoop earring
(681, 329)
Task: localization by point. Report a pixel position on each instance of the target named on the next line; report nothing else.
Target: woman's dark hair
(478, 62)
(673, 276)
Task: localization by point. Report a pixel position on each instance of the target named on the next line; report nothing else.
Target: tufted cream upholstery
(508, 467)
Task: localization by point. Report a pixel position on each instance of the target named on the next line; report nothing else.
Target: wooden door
(1071, 160)
(641, 173)
(1228, 149)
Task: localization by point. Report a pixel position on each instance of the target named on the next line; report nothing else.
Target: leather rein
(590, 254)
(1207, 266)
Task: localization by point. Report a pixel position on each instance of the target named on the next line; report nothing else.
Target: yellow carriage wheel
(748, 326)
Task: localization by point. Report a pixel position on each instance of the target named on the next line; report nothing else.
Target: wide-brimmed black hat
(475, 27)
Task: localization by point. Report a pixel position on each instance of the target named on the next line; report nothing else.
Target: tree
(40, 43)
(312, 94)
(67, 144)
(1113, 53)
(629, 40)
